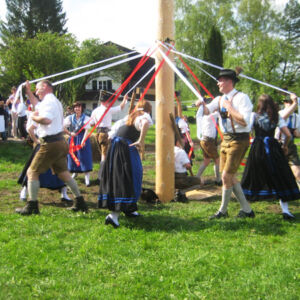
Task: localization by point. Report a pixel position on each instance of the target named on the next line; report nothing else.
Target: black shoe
(218, 183)
(288, 217)
(30, 208)
(66, 200)
(219, 215)
(110, 221)
(132, 215)
(243, 214)
(181, 197)
(79, 205)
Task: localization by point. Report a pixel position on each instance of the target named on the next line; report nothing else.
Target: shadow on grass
(263, 225)
(15, 151)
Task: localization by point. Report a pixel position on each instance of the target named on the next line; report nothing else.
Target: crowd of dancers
(271, 172)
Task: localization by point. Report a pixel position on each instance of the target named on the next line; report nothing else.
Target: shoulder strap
(231, 120)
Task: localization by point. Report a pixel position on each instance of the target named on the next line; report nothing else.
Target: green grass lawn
(171, 252)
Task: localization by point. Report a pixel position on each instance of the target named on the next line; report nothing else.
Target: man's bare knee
(32, 175)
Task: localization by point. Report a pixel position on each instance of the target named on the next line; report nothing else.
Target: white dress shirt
(241, 103)
(107, 120)
(181, 159)
(50, 108)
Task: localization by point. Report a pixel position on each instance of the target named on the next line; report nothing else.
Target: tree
(25, 18)
(90, 51)
(255, 36)
(213, 52)
(43, 55)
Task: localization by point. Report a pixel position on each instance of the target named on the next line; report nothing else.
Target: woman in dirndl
(267, 174)
(121, 179)
(73, 123)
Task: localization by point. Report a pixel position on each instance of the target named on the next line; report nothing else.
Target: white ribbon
(183, 78)
(149, 71)
(240, 75)
(19, 93)
(97, 69)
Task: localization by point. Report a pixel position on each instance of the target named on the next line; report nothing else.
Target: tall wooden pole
(164, 90)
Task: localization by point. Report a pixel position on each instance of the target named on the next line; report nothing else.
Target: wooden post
(164, 101)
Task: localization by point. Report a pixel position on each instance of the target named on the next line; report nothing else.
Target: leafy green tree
(90, 51)
(213, 52)
(256, 36)
(25, 18)
(43, 55)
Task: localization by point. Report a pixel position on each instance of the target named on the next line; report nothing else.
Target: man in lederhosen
(235, 109)
(104, 126)
(53, 150)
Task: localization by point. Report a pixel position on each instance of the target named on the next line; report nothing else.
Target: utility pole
(164, 102)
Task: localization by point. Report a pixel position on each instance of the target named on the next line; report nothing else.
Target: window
(109, 85)
(105, 85)
(94, 85)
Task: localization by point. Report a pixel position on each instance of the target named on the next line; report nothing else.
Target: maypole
(164, 91)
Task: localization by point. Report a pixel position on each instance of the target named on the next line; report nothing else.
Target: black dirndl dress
(267, 174)
(121, 178)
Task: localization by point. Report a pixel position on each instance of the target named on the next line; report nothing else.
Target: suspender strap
(231, 120)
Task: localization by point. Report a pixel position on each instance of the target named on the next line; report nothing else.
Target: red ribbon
(73, 148)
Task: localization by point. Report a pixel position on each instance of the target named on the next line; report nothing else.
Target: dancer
(72, 124)
(104, 126)
(235, 109)
(182, 164)
(267, 174)
(47, 179)
(53, 150)
(121, 179)
(208, 134)
(292, 120)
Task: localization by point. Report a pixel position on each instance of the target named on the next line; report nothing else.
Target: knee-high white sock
(201, 170)
(73, 187)
(238, 192)
(115, 216)
(23, 193)
(87, 178)
(285, 207)
(33, 189)
(226, 194)
(217, 172)
(64, 194)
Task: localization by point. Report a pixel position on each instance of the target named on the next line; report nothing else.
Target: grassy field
(171, 252)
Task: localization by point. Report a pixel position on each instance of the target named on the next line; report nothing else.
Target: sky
(131, 23)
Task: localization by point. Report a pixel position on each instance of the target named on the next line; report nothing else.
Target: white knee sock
(201, 170)
(87, 178)
(23, 193)
(73, 187)
(285, 207)
(33, 189)
(226, 194)
(64, 194)
(115, 216)
(238, 192)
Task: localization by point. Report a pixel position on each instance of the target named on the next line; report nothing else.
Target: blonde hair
(141, 107)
